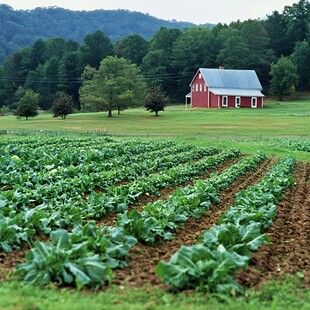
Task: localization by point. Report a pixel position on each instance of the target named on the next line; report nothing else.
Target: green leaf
(81, 277)
(61, 238)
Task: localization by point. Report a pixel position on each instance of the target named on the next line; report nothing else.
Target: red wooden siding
(199, 98)
(213, 101)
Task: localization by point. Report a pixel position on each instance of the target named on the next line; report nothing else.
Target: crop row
(160, 220)
(225, 248)
(85, 260)
(95, 174)
(85, 156)
(19, 221)
(295, 145)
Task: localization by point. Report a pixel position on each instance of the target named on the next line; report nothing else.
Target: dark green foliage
(62, 105)
(284, 78)
(95, 48)
(300, 58)
(22, 28)
(84, 257)
(133, 48)
(156, 100)
(28, 105)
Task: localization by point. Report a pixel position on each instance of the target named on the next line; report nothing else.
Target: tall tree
(301, 58)
(55, 47)
(38, 54)
(260, 56)
(95, 48)
(16, 68)
(39, 83)
(195, 48)
(284, 78)
(297, 17)
(28, 105)
(117, 84)
(235, 53)
(69, 76)
(157, 65)
(276, 26)
(133, 48)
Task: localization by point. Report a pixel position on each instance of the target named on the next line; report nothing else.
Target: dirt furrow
(111, 218)
(145, 258)
(289, 248)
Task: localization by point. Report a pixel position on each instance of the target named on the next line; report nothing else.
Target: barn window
(254, 102)
(193, 87)
(238, 100)
(205, 87)
(200, 87)
(224, 101)
(200, 75)
(196, 87)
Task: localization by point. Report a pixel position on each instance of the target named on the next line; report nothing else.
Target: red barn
(221, 88)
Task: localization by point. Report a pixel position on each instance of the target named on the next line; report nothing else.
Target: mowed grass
(287, 119)
(247, 129)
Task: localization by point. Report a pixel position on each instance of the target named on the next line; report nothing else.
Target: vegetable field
(93, 212)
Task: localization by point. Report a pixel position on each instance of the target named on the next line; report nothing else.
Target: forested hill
(20, 28)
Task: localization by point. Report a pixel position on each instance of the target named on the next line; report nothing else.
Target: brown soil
(111, 218)
(289, 248)
(145, 258)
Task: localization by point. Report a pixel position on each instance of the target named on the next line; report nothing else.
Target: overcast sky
(196, 11)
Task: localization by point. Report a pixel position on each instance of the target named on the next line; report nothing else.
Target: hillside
(20, 28)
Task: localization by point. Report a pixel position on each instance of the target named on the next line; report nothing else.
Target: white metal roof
(225, 78)
(228, 78)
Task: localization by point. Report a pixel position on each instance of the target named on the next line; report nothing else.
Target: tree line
(277, 48)
(21, 28)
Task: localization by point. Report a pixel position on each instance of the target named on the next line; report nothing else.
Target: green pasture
(275, 120)
(248, 129)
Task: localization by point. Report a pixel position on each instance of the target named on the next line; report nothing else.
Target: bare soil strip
(289, 248)
(145, 258)
(111, 218)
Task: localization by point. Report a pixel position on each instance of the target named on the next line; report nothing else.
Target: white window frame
(254, 102)
(200, 87)
(205, 87)
(225, 100)
(197, 87)
(237, 102)
(193, 88)
(199, 76)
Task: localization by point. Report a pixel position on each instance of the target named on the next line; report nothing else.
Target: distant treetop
(24, 27)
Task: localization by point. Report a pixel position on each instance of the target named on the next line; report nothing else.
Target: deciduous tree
(62, 105)
(284, 78)
(117, 84)
(28, 105)
(156, 100)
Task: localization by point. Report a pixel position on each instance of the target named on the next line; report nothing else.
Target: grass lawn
(275, 120)
(247, 129)
(274, 295)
